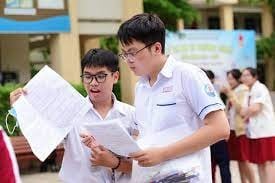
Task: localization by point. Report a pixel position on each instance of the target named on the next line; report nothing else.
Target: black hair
(210, 74)
(100, 58)
(236, 73)
(252, 71)
(145, 28)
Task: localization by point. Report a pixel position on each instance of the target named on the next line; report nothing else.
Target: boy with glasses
(95, 163)
(170, 94)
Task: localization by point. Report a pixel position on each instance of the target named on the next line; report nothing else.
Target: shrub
(5, 106)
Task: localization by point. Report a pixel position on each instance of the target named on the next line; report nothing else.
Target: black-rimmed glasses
(88, 78)
(131, 55)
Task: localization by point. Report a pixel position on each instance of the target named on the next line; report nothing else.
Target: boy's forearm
(210, 133)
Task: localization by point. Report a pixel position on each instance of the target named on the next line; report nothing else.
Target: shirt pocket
(165, 112)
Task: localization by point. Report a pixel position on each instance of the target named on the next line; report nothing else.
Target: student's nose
(94, 82)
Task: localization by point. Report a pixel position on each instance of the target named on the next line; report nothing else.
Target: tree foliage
(109, 43)
(172, 10)
(266, 47)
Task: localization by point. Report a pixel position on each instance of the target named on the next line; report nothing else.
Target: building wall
(65, 49)
(99, 17)
(15, 55)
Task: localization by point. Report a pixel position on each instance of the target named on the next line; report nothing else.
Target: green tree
(172, 10)
(5, 106)
(265, 52)
(109, 43)
(266, 47)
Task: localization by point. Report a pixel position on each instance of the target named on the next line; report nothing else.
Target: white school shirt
(263, 124)
(182, 94)
(76, 165)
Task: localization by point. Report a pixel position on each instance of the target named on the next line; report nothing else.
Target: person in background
(238, 143)
(9, 172)
(259, 115)
(219, 150)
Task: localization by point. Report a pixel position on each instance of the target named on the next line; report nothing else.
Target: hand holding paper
(88, 140)
(113, 136)
(149, 157)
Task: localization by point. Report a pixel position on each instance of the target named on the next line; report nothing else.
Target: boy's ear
(116, 76)
(157, 48)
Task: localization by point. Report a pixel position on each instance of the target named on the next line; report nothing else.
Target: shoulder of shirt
(186, 70)
(242, 87)
(259, 86)
(181, 69)
(188, 73)
(124, 107)
(184, 67)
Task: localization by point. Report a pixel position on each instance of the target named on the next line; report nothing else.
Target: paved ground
(53, 177)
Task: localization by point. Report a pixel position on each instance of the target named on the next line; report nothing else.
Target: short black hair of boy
(100, 58)
(146, 28)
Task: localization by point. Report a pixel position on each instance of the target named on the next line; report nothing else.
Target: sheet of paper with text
(49, 111)
(113, 136)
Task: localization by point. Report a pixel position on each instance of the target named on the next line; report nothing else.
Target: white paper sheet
(113, 136)
(188, 163)
(49, 111)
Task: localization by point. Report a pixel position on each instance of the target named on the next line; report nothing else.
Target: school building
(59, 32)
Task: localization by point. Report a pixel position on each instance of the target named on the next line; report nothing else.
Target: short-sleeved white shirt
(263, 124)
(76, 165)
(182, 94)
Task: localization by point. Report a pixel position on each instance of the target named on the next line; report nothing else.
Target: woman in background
(259, 115)
(238, 143)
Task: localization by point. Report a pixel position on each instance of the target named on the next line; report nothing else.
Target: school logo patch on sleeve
(209, 90)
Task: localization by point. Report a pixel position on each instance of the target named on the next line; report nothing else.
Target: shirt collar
(116, 105)
(255, 84)
(166, 71)
(168, 68)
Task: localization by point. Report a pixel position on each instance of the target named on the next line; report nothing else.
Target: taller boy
(170, 93)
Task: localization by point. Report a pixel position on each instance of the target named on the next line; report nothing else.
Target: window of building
(252, 23)
(248, 21)
(193, 25)
(213, 23)
(19, 3)
(51, 4)
(19, 7)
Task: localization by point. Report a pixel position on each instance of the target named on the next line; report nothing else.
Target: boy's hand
(14, 95)
(149, 157)
(88, 140)
(103, 157)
